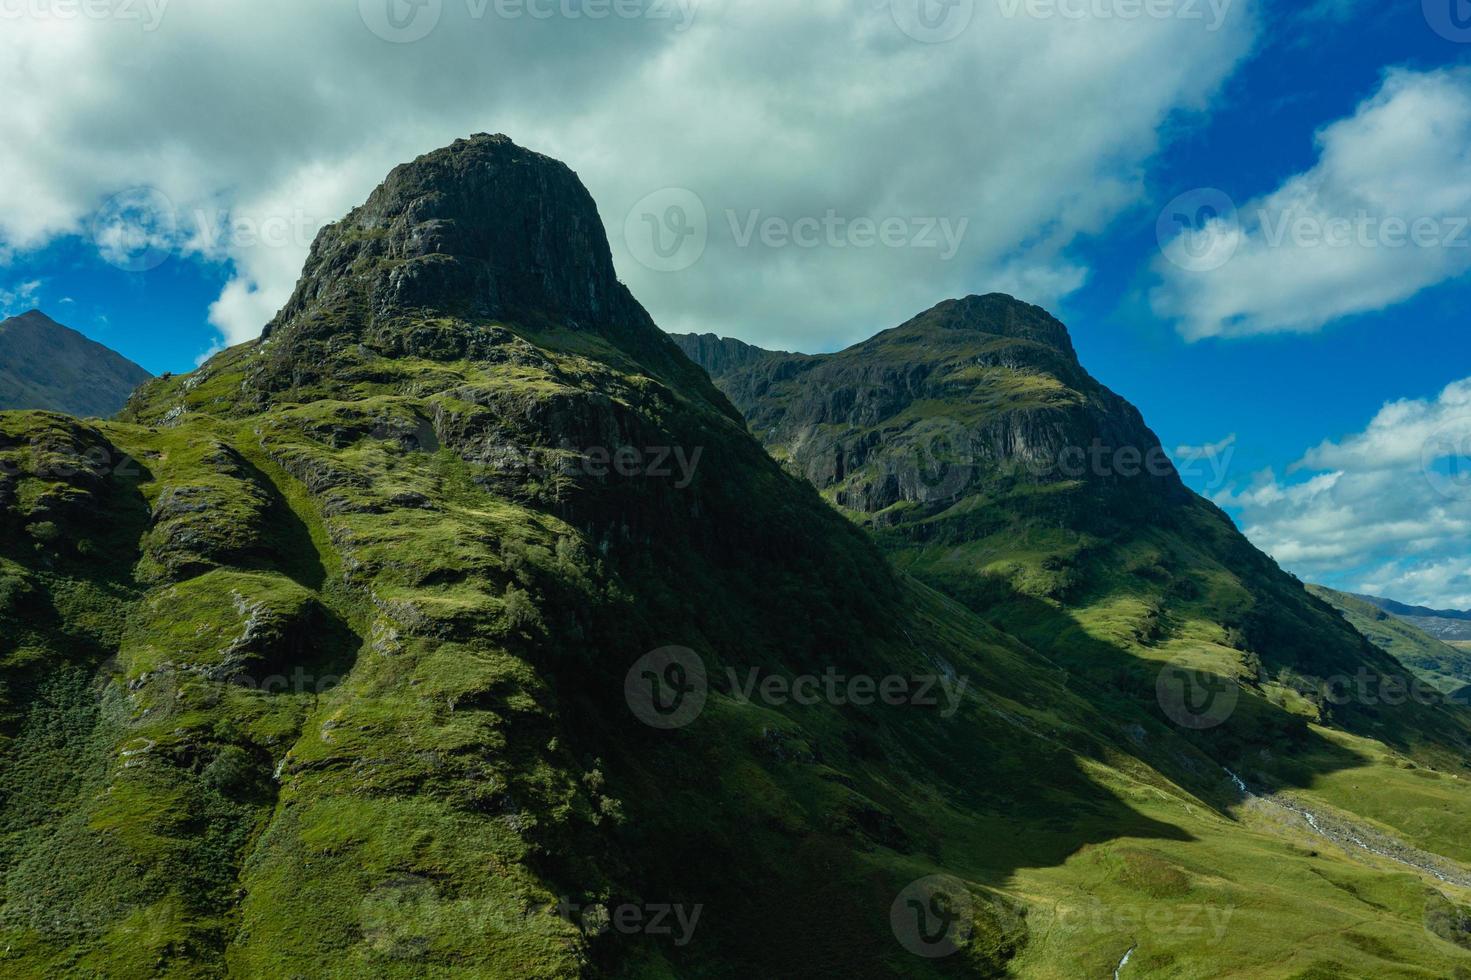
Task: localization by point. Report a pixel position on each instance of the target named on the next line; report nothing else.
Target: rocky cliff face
(482, 227)
(938, 408)
(44, 365)
(989, 463)
(445, 252)
(721, 356)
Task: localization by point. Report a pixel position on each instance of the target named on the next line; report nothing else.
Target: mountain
(1400, 636)
(44, 365)
(1449, 625)
(990, 465)
(459, 627)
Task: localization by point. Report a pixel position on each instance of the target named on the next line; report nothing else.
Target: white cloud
(19, 298)
(1448, 580)
(1386, 510)
(1384, 214)
(1207, 451)
(1399, 433)
(1035, 129)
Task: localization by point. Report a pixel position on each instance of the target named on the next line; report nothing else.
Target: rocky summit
(988, 462)
(460, 627)
(917, 417)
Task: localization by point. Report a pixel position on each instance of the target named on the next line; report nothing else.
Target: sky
(1251, 214)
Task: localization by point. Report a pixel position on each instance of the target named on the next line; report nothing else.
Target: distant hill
(1448, 625)
(44, 365)
(1439, 662)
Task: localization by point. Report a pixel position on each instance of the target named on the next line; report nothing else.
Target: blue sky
(1056, 141)
(157, 318)
(1278, 394)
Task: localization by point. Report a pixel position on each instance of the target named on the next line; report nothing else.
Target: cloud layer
(260, 120)
(1351, 510)
(1385, 213)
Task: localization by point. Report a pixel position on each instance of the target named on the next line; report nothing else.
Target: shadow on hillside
(295, 554)
(795, 828)
(1278, 747)
(98, 545)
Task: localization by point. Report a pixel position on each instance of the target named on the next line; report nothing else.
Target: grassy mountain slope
(44, 365)
(1438, 662)
(314, 664)
(990, 466)
(988, 463)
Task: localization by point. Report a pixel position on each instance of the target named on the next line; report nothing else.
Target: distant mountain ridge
(1446, 625)
(1432, 658)
(719, 355)
(50, 367)
(1403, 609)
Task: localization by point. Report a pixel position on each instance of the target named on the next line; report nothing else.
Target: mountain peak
(458, 255)
(480, 229)
(995, 314)
(46, 365)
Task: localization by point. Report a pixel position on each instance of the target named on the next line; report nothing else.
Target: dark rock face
(722, 355)
(445, 253)
(482, 228)
(44, 365)
(939, 407)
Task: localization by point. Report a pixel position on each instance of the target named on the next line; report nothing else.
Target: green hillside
(990, 466)
(334, 659)
(1451, 626)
